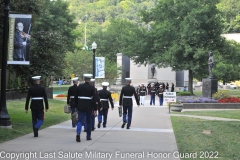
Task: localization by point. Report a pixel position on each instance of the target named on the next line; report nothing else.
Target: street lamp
(94, 47)
(4, 116)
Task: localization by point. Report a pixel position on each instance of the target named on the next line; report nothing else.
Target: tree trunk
(190, 81)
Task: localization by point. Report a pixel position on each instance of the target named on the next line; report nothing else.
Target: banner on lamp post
(99, 67)
(19, 39)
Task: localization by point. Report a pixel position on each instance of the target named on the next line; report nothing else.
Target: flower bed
(229, 100)
(61, 95)
(194, 99)
(193, 102)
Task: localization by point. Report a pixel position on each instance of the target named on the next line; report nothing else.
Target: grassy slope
(224, 138)
(21, 122)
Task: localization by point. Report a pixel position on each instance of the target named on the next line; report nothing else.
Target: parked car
(233, 86)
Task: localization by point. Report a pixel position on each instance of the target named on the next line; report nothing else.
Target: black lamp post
(94, 47)
(4, 117)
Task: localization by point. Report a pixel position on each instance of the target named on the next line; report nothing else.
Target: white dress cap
(92, 80)
(74, 79)
(128, 79)
(105, 84)
(142, 83)
(36, 77)
(87, 75)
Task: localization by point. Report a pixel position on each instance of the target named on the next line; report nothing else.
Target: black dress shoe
(104, 126)
(35, 132)
(123, 125)
(78, 138)
(99, 124)
(93, 129)
(89, 139)
(128, 127)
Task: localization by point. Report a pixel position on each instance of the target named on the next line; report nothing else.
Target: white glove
(24, 43)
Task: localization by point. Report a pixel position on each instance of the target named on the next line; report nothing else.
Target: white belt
(104, 99)
(37, 98)
(127, 96)
(143, 91)
(84, 97)
(72, 97)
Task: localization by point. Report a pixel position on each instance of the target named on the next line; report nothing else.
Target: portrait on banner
(19, 39)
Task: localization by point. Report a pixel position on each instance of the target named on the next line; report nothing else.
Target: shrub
(183, 94)
(221, 94)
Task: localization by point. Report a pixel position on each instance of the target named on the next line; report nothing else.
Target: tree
(111, 40)
(227, 64)
(50, 42)
(230, 15)
(80, 62)
(181, 35)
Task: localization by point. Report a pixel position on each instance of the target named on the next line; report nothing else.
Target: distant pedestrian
(125, 101)
(105, 98)
(152, 94)
(172, 88)
(160, 95)
(37, 93)
(167, 87)
(138, 92)
(85, 104)
(143, 93)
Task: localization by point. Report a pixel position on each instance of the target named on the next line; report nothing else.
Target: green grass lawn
(22, 122)
(233, 114)
(217, 138)
(60, 88)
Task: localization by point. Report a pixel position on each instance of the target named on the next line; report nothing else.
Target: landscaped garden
(222, 96)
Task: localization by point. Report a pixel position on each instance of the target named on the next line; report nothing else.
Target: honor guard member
(125, 101)
(97, 101)
(143, 93)
(70, 98)
(85, 104)
(153, 92)
(105, 97)
(37, 93)
(160, 95)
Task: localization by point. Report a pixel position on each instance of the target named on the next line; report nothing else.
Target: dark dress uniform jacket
(85, 90)
(105, 94)
(97, 99)
(128, 91)
(160, 92)
(36, 91)
(143, 91)
(71, 93)
(152, 91)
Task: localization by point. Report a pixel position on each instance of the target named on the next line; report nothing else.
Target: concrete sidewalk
(150, 137)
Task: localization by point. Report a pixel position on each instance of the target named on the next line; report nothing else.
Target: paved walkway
(150, 137)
